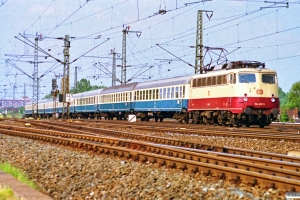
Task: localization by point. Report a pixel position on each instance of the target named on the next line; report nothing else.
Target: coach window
(164, 93)
(150, 94)
(172, 92)
(168, 93)
(180, 91)
(160, 93)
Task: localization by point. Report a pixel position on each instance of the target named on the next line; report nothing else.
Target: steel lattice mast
(66, 76)
(113, 81)
(35, 95)
(123, 73)
(199, 44)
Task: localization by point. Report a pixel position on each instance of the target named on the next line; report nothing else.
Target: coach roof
(165, 82)
(119, 88)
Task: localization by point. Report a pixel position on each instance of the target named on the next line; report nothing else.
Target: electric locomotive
(236, 93)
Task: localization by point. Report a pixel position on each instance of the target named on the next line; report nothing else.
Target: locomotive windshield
(268, 78)
(247, 78)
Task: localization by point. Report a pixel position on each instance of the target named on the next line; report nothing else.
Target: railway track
(206, 131)
(273, 128)
(238, 165)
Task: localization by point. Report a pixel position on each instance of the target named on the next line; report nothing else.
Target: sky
(161, 44)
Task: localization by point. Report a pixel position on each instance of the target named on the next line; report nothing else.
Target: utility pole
(123, 73)
(35, 95)
(66, 77)
(199, 44)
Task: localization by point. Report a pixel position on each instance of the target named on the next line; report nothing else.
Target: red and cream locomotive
(236, 93)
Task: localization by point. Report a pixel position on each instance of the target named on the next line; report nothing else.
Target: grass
(17, 173)
(7, 194)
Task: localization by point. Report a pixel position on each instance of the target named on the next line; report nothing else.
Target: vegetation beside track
(6, 194)
(18, 174)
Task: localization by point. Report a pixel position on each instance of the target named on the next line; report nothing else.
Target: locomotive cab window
(247, 78)
(268, 78)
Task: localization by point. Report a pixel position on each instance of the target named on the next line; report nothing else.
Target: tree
(48, 96)
(282, 96)
(84, 85)
(293, 96)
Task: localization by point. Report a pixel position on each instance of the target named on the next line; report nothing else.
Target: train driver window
(247, 78)
(268, 78)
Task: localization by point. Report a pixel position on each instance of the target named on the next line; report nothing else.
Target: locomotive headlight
(245, 97)
(273, 99)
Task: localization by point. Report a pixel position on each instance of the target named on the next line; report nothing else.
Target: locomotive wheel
(161, 119)
(261, 126)
(156, 119)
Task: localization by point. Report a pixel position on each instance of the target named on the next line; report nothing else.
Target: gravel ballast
(68, 174)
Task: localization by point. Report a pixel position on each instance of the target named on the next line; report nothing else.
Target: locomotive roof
(164, 82)
(223, 72)
(119, 88)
